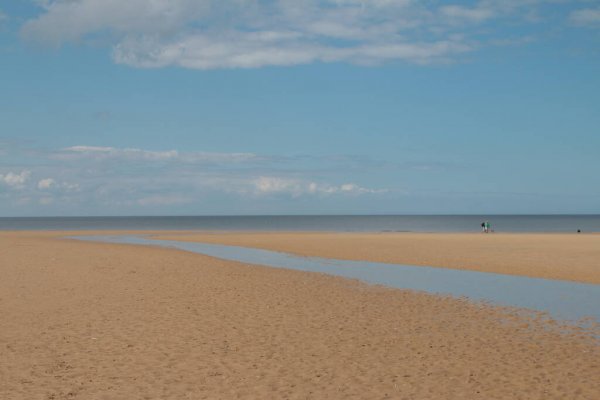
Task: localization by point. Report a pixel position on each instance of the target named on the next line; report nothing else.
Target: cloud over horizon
(105, 153)
(136, 179)
(14, 179)
(265, 185)
(46, 183)
(207, 34)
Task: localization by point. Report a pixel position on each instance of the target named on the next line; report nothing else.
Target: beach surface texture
(573, 257)
(85, 320)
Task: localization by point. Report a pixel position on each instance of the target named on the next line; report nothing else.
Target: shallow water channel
(563, 300)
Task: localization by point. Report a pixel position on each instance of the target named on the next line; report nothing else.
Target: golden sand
(554, 256)
(105, 321)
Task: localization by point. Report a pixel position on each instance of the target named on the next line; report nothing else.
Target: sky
(253, 107)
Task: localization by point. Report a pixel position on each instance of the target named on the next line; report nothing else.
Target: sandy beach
(570, 257)
(108, 321)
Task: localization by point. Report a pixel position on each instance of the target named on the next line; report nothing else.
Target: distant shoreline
(322, 223)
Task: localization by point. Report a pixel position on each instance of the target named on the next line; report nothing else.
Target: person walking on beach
(486, 227)
(483, 227)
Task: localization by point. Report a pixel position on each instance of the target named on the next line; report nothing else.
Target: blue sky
(171, 107)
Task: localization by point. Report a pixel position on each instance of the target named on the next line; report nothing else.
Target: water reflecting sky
(561, 299)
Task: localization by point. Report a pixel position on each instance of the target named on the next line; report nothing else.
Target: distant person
(578, 230)
(483, 227)
(486, 227)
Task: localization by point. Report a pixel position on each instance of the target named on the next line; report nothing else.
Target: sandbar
(573, 257)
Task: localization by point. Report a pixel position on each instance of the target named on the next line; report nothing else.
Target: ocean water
(337, 223)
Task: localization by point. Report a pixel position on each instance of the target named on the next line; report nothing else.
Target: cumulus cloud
(296, 187)
(589, 17)
(47, 183)
(65, 187)
(210, 34)
(106, 179)
(15, 180)
(269, 185)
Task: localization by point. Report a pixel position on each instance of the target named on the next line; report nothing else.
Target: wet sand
(108, 321)
(570, 257)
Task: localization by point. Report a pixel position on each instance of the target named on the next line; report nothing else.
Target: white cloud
(270, 185)
(82, 178)
(477, 14)
(589, 17)
(111, 152)
(133, 154)
(65, 187)
(355, 189)
(69, 20)
(46, 183)
(90, 149)
(70, 187)
(244, 50)
(210, 34)
(15, 180)
(297, 187)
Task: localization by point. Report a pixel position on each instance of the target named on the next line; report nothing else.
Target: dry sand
(105, 321)
(554, 256)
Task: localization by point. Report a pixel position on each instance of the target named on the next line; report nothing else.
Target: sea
(325, 223)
